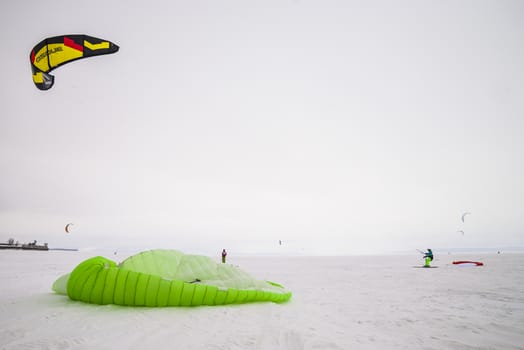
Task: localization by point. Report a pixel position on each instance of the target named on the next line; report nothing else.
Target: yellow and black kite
(53, 52)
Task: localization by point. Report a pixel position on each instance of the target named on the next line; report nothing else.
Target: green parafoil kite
(165, 278)
(53, 52)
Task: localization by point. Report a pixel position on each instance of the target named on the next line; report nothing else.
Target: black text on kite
(53, 52)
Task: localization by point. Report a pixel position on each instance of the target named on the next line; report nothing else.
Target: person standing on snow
(428, 257)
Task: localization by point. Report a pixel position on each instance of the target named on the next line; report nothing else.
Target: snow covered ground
(349, 302)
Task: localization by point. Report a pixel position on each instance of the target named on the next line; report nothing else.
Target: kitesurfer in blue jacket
(428, 257)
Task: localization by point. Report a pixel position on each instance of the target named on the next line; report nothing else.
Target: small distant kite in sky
(68, 227)
(53, 52)
(464, 215)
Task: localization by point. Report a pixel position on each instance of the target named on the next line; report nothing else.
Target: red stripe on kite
(33, 56)
(71, 43)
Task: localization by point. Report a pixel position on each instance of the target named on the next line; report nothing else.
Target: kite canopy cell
(165, 278)
(53, 52)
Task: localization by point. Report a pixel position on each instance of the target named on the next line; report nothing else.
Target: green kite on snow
(165, 278)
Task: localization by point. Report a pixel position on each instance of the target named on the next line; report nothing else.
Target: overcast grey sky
(334, 126)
